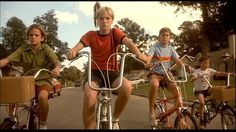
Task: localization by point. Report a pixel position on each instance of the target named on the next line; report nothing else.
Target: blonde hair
(105, 9)
(40, 28)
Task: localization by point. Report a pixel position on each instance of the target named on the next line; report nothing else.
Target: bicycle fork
(206, 115)
(104, 113)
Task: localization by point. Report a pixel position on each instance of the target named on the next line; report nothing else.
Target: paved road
(66, 112)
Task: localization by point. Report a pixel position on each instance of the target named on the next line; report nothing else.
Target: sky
(75, 18)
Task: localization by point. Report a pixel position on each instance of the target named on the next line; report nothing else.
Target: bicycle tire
(7, 124)
(194, 109)
(190, 121)
(104, 116)
(159, 108)
(195, 113)
(34, 118)
(227, 117)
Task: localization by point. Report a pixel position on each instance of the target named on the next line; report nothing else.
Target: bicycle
(163, 113)
(14, 120)
(104, 101)
(211, 109)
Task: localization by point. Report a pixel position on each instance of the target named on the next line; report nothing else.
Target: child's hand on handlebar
(149, 65)
(70, 54)
(189, 69)
(55, 72)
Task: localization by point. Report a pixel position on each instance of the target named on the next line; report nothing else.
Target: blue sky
(76, 17)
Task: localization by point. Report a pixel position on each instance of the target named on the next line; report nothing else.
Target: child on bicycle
(36, 55)
(103, 43)
(165, 53)
(201, 87)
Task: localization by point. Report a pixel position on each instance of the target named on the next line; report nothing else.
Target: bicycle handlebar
(40, 70)
(82, 53)
(228, 78)
(169, 78)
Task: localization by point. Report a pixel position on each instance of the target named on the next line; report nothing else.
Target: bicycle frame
(167, 112)
(104, 107)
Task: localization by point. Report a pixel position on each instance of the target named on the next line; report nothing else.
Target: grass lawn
(187, 88)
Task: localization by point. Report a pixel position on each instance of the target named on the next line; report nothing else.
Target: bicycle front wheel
(34, 118)
(227, 117)
(195, 110)
(8, 123)
(185, 120)
(159, 108)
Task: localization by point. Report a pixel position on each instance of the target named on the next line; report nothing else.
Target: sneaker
(115, 125)
(42, 125)
(153, 121)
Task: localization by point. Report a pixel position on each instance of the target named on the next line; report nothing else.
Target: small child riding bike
(202, 88)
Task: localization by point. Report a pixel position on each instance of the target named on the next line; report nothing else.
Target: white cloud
(149, 15)
(66, 17)
(7, 15)
(85, 7)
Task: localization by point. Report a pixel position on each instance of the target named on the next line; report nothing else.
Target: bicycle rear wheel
(227, 117)
(185, 121)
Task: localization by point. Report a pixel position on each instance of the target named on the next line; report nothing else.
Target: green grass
(143, 90)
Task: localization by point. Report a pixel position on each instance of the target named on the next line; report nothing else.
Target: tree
(14, 36)
(71, 74)
(138, 36)
(225, 17)
(135, 33)
(50, 23)
(211, 28)
(187, 42)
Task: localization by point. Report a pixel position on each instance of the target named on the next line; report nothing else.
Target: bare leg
(154, 86)
(43, 105)
(124, 93)
(172, 87)
(89, 111)
(154, 83)
(200, 98)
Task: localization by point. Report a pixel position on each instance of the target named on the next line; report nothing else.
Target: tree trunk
(205, 41)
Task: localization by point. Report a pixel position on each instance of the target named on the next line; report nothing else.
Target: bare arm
(223, 74)
(179, 62)
(57, 68)
(4, 62)
(149, 62)
(73, 51)
(134, 49)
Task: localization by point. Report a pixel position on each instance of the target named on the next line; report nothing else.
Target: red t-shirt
(102, 46)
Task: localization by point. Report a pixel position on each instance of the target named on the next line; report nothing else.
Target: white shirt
(200, 83)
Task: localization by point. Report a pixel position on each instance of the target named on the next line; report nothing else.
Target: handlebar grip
(78, 55)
